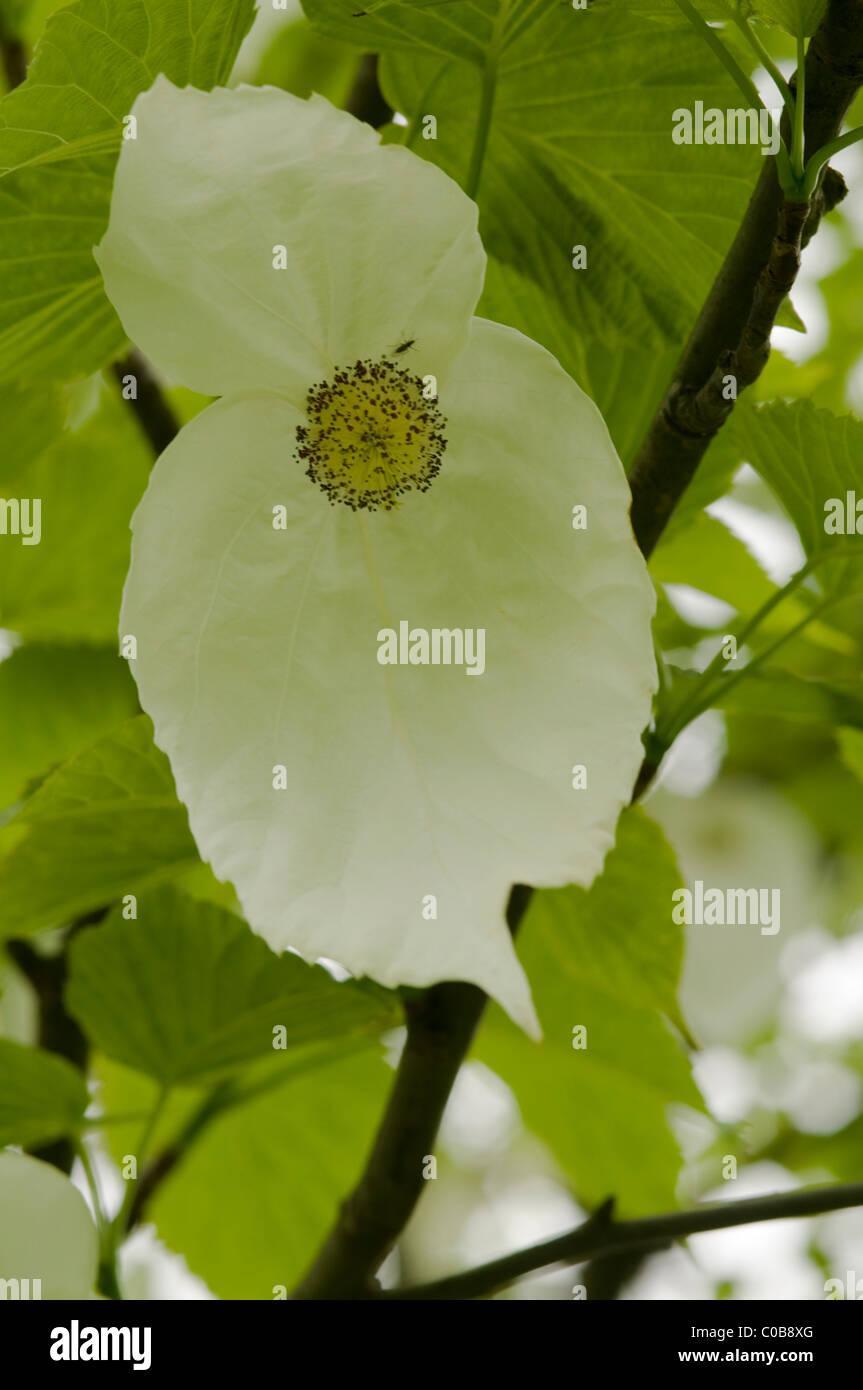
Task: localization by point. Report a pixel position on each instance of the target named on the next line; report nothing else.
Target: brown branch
(441, 1022)
(366, 101)
(58, 1031)
(733, 329)
(607, 1275)
(602, 1236)
(155, 417)
(14, 56)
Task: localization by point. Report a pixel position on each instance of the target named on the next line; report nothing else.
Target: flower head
(371, 436)
(379, 507)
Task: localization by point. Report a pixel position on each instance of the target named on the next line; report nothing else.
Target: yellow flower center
(372, 434)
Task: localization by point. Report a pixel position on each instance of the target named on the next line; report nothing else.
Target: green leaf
(67, 588)
(778, 693)
(794, 16)
(580, 149)
(32, 417)
(627, 384)
(274, 1169)
(616, 936)
(810, 458)
(799, 18)
(826, 375)
(12, 16)
(187, 992)
(456, 30)
(53, 702)
(301, 60)
(838, 1153)
(608, 959)
(851, 747)
(707, 556)
(60, 133)
(42, 1097)
(103, 825)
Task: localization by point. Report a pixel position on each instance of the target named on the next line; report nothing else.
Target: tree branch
(155, 417)
(14, 56)
(602, 1236)
(605, 1277)
(366, 101)
(732, 333)
(441, 1022)
(58, 1031)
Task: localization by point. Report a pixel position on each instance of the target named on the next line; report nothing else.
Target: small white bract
(49, 1248)
(379, 456)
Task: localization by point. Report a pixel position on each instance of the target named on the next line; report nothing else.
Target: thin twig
(602, 1236)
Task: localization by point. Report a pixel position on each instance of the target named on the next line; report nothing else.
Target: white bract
(46, 1231)
(380, 460)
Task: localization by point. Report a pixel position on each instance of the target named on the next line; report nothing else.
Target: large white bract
(411, 789)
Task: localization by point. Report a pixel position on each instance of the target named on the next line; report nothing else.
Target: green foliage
(797, 17)
(67, 587)
(851, 747)
(187, 993)
(576, 155)
(273, 1169)
(783, 694)
(54, 700)
(559, 122)
(103, 825)
(302, 61)
(707, 556)
(59, 137)
(42, 1097)
(32, 417)
(811, 1154)
(608, 960)
(465, 33)
(826, 376)
(12, 16)
(809, 457)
